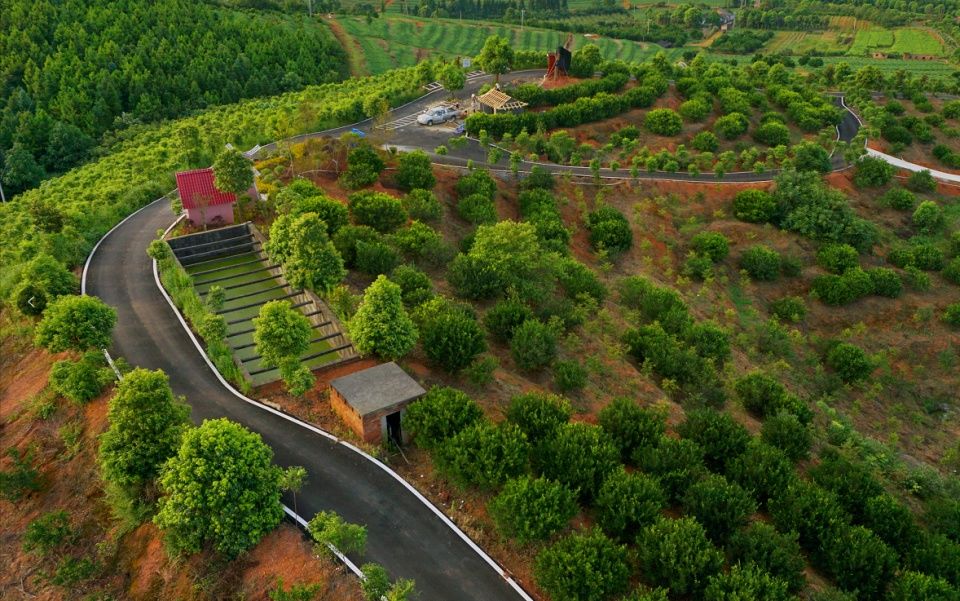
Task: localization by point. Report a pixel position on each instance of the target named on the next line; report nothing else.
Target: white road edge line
(483, 555)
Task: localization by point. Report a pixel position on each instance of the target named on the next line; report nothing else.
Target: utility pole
(310, 7)
(2, 196)
(522, 12)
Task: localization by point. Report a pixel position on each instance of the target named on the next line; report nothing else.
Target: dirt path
(355, 62)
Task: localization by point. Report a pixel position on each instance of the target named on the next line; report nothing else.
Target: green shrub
(763, 470)
(452, 338)
(859, 561)
(439, 415)
(631, 426)
(375, 258)
(676, 463)
(761, 262)
(951, 315)
(808, 510)
(761, 546)
(627, 503)
(83, 380)
(505, 317)
(719, 506)
(73, 570)
(732, 126)
(539, 415)
(928, 218)
(695, 109)
(772, 134)
(937, 556)
(483, 455)
(415, 286)
(347, 239)
(530, 509)
(569, 375)
(754, 206)
(414, 171)
(911, 586)
(533, 345)
(363, 167)
(380, 211)
(579, 456)
(789, 308)
(477, 181)
(477, 209)
(678, 555)
(951, 272)
(850, 362)
(927, 257)
(663, 122)
(714, 245)
(892, 521)
(79, 323)
(655, 303)
(721, 437)
(833, 290)
(609, 230)
(787, 433)
(699, 267)
(416, 240)
(577, 280)
(583, 567)
(22, 478)
(705, 141)
(48, 532)
(885, 282)
(922, 181)
(899, 198)
(710, 341)
(838, 258)
(746, 583)
(871, 172)
(422, 204)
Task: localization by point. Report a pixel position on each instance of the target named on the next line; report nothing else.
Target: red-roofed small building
(203, 202)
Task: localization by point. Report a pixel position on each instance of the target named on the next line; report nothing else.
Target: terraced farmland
(390, 42)
(800, 42)
(899, 41)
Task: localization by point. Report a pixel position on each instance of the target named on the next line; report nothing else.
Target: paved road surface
(403, 535)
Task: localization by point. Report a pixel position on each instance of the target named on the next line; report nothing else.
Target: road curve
(404, 535)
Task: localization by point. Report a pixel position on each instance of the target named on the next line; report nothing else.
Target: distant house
(202, 201)
(878, 55)
(372, 401)
(919, 57)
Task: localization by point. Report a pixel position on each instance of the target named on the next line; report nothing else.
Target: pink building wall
(222, 211)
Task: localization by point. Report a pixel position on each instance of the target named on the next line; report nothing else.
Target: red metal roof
(199, 184)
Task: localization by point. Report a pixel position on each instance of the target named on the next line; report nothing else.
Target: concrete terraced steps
(233, 258)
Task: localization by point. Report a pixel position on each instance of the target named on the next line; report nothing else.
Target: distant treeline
(72, 70)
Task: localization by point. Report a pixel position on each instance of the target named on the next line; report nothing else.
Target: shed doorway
(394, 434)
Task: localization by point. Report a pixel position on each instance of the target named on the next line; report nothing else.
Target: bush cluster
(609, 230)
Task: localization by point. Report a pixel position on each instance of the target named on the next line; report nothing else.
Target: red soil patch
(24, 379)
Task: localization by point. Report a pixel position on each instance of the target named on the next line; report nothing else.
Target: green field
(800, 42)
(877, 39)
(390, 42)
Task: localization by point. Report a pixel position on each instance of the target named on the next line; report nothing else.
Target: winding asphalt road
(404, 535)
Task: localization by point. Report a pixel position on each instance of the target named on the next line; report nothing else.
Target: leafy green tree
(761, 262)
(452, 338)
(892, 521)
(722, 438)
(859, 561)
(676, 463)
(763, 470)
(631, 426)
(677, 554)
(754, 206)
(731, 126)
(484, 455)
(569, 375)
(529, 509)
(280, 332)
(746, 583)
(496, 56)
(453, 78)
(663, 122)
(20, 170)
(539, 415)
(763, 396)
(786, 432)
(240, 499)
(309, 258)
(838, 258)
(292, 479)
(81, 381)
(439, 415)
(810, 156)
(414, 171)
(380, 211)
(772, 134)
(505, 317)
(375, 583)
(850, 362)
(422, 204)
(146, 427)
(48, 532)
(233, 172)
(928, 218)
(51, 276)
(78, 323)
(477, 209)
(914, 586)
(712, 244)
(808, 510)
(760, 546)
(533, 345)
(720, 506)
(872, 172)
(898, 198)
(22, 478)
(363, 167)
(579, 456)
(586, 566)
(381, 325)
(328, 528)
(627, 503)
(609, 230)
(921, 181)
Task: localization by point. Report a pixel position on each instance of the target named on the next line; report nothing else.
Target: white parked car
(437, 114)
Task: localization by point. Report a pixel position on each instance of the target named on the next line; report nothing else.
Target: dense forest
(71, 71)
